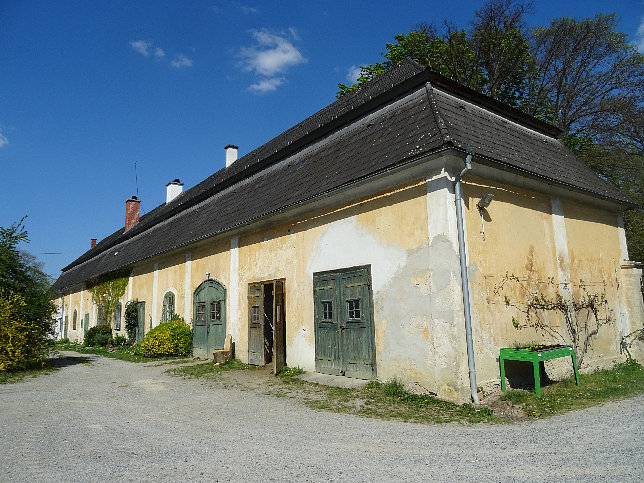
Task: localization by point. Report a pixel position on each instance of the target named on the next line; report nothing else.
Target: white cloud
(271, 55)
(180, 61)
(3, 140)
(248, 10)
(147, 49)
(353, 73)
(141, 46)
(640, 36)
(266, 85)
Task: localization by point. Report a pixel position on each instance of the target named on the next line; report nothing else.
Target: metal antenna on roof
(136, 180)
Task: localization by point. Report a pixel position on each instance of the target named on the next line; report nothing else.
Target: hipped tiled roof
(406, 113)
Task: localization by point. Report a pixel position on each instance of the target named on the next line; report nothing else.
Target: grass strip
(624, 380)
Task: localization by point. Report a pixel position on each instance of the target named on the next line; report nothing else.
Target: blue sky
(88, 89)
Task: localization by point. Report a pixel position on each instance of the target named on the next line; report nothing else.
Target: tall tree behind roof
(584, 67)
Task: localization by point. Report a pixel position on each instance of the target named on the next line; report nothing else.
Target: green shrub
(94, 332)
(101, 339)
(64, 340)
(22, 345)
(131, 319)
(172, 338)
(118, 340)
(395, 388)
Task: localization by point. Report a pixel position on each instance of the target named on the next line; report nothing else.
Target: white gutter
(458, 195)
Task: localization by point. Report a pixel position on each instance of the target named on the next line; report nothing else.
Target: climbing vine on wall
(583, 311)
(106, 292)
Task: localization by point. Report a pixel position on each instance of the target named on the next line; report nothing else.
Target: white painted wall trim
(232, 325)
(441, 211)
(561, 245)
(187, 302)
(130, 282)
(622, 236)
(80, 305)
(155, 296)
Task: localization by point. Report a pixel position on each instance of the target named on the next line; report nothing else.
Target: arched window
(168, 307)
(117, 317)
(74, 319)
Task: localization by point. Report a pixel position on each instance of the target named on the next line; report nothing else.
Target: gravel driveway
(118, 421)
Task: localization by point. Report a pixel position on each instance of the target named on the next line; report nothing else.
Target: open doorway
(267, 324)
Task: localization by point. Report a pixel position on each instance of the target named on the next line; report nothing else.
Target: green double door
(209, 319)
(343, 317)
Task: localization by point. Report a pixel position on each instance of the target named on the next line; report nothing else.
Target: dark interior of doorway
(268, 322)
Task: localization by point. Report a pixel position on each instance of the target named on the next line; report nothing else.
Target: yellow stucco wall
(81, 301)
(514, 255)
(390, 223)
(514, 239)
(513, 252)
(595, 257)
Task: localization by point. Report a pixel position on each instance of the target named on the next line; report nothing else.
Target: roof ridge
(440, 122)
(314, 126)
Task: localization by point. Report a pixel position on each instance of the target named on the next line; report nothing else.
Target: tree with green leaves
(493, 58)
(107, 291)
(585, 69)
(581, 75)
(26, 306)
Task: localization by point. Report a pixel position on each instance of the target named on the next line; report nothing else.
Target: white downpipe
(458, 195)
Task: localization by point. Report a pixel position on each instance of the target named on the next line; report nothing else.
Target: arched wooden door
(209, 319)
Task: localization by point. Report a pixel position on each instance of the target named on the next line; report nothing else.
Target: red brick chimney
(131, 212)
(93, 242)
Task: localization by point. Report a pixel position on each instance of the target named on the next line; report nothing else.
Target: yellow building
(379, 238)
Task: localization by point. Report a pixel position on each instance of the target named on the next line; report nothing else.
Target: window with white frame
(168, 307)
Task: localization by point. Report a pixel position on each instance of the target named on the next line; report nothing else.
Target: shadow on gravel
(67, 361)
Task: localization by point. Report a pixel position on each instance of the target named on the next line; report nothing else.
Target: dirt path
(117, 421)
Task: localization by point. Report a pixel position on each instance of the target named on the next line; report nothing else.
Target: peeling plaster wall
(81, 300)
(407, 235)
(381, 231)
(265, 256)
(448, 355)
(418, 311)
(595, 259)
(170, 273)
(549, 244)
(631, 315)
(416, 288)
(514, 238)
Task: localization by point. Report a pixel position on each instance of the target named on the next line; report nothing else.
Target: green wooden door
(140, 320)
(356, 326)
(86, 325)
(279, 327)
(343, 315)
(267, 324)
(209, 319)
(327, 358)
(255, 324)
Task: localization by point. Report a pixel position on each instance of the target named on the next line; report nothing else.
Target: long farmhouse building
(399, 232)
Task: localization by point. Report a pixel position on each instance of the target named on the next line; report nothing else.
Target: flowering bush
(172, 338)
(21, 346)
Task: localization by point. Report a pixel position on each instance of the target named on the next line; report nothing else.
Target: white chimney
(172, 190)
(231, 154)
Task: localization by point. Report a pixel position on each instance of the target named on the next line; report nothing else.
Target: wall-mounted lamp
(207, 275)
(485, 201)
(481, 205)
